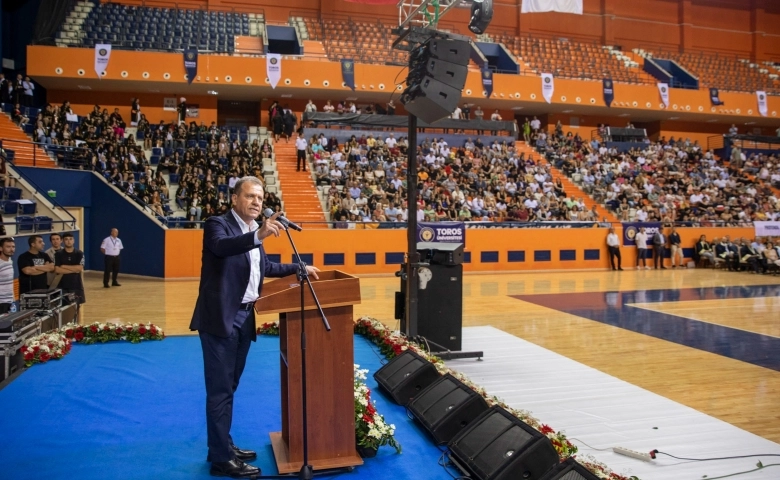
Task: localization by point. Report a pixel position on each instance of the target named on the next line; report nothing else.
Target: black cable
(717, 458)
(760, 467)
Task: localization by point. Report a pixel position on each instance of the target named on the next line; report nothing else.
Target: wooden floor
(736, 391)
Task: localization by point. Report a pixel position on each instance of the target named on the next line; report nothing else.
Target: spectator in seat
(18, 117)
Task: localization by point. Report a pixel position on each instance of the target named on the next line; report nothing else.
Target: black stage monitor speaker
(570, 470)
(432, 100)
(499, 446)
(446, 407)
(405, 376)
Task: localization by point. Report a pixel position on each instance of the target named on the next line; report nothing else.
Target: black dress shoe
(115, 285)
(244, 455)
(234, 469)
(106, 286)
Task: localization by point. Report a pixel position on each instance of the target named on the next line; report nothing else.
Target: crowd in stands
(672, 180)
(206, 161)
(366, 182)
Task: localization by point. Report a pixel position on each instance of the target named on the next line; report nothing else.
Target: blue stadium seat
(223, 188)
(13, 193)
(27, 208)
(43, 223)
(10, 207)
(157, 151)
(154, 159)
(25, 223)
(174, 178)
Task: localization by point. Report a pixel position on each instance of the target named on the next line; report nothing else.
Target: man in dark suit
(234, 265)
(659, 245)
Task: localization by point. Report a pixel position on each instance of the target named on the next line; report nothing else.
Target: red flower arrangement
(108, 332)
(44, 347)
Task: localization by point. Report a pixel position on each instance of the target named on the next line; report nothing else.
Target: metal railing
(44, 197)
(67, 156)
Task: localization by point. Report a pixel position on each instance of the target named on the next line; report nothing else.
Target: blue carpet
(138, 412)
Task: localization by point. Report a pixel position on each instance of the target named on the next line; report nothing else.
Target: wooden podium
(329, 370)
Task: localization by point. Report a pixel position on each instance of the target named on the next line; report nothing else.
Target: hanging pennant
(762, 106)
(191, 64)
(609, 92)
(548, 86)
(663, 89)
(102, 55)
(273, 68)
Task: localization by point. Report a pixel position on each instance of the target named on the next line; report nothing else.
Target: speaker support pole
(412, 257)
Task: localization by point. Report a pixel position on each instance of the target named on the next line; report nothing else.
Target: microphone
(268, 213)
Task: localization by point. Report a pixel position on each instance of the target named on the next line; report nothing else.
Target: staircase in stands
(301, 202)
(571, 189)
(25, 153)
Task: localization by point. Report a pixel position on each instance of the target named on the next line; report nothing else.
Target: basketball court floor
(707, 340)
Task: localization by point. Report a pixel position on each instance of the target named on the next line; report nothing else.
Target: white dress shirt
(613, 240)
(251, 294)
(112, 246)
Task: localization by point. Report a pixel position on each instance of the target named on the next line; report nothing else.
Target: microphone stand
(307, 471)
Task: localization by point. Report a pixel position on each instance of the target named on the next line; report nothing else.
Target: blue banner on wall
(609, 91)
(715, 96)
(191, 63)
(630, 229)
(348, 72)
(487, 81)
(444, 232)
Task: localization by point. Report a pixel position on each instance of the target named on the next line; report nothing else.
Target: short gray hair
(248, 179)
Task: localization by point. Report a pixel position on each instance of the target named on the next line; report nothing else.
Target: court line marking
(635, 305)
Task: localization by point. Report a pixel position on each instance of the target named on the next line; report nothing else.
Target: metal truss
(425, 13)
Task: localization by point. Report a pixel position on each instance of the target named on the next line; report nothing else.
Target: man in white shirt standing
(641, 248)
(111, 248)
(300, 146)
(613, 244)
(7, 250)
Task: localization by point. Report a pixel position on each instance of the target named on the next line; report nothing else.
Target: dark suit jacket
(225, 273)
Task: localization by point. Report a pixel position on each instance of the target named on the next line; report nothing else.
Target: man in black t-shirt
(33, 265)
(69, 262)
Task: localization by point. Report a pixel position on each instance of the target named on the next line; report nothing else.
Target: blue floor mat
(123, 411)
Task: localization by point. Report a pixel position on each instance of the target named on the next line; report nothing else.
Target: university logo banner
(487, 81)
(273, 68)
(762, 106)
(443, 232)
(348, 72)
(715, 96)
(609, 91)
(548, 86)
(102, 55)
(564, 6)
(663, 89)
(191, 63)
(767, 229)
(630, 229)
